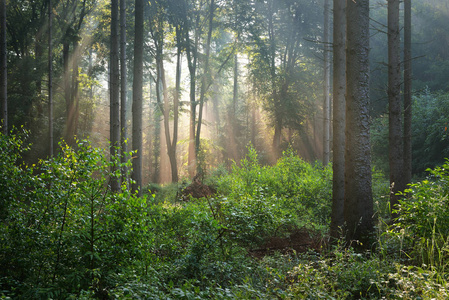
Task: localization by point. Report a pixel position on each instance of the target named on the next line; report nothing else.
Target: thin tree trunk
(157, 144)
(137, 98)
(50, 78)
(115, 91)
(192, 57)
(67, 97)
(3, 68)
(204, 84)
(394, 100)
(123, 91)
(173, 147)
(358, 207)
(74, 94)
(233, 117)
(326, 92)
(275, 95)
(339, 90)
(407, 91)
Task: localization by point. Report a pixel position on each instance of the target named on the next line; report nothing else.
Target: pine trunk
(394, 99)
(115, 91)
(3, 68)
(123, 91)
(407, 91)
(358, 207)
(137, 98)
(339, 90)
(326, 88)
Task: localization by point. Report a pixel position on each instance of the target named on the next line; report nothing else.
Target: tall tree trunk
(277, 136)
(233, 117)
(407, 91)
(137, 98)
(115, 91)
(339, 90)
(38, 52)
(3, 68)
(192, 60)
(394, 100)
(74, 94)
(157, 114)
(123, 92)
(204, 84)
(50, 78)
(358, 207)
(326, 91)
(67, 94)
(275, 95)
(173, 146)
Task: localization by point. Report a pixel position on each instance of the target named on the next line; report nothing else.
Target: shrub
(65, 231)
(423, 224)
(292, 191)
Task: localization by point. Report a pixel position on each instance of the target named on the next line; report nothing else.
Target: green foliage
(14, 177)
(64, 234)
(423, 225)
(347, 275)
(291, 191)
(430, 133)
(64, 230)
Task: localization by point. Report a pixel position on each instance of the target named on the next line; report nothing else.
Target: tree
(71, 20)
(279, 64)
(137, 97)
(326, 91)
(115, 90)
(123, 90)
(192, 23)
(3, 68)
(358, 206)
(407, 91)
(339, 90)
(159, 22)
(394, 100)
(205, 83)
(50, 78)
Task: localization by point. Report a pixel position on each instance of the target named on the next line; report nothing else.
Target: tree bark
(407, 91)
(67, 91)
(50, 78)
(115, 91)
(3, 68)
(173, 147)
(394, 100)
(123, 91)
(137, 98)
(358, 207)
(192, 60)
(204, 84)
(326, 87)
(339, 90)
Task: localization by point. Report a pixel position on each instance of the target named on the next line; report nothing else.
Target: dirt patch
(299, 240)
(197, 190)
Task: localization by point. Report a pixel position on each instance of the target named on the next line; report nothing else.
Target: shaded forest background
(263, 83)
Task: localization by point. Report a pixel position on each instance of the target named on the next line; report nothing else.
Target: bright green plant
(424, 219)
(344, 275)
(65, 231)
(266, 197)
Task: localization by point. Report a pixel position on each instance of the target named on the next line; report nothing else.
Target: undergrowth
(65, 235)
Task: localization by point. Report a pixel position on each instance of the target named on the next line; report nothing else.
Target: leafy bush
(290, 191)
(423, 224)
(64, 230)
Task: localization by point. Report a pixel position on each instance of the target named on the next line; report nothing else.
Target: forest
(224, 149)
